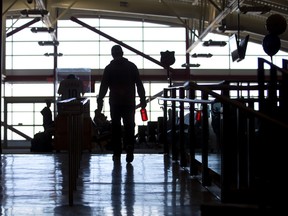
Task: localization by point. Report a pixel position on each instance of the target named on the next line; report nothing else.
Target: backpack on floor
(41, 142)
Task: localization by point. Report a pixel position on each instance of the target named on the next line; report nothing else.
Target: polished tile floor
(37, 184)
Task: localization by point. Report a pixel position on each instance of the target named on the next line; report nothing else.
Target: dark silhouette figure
(100, 121)
(102, 130)
(120, 77)
(47, 115)
(71, 87)
(42, 141)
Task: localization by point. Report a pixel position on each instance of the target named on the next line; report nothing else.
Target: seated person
(101, 122)
(71, 87)
(47, 116)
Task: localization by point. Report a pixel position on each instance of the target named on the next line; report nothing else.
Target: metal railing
(252, 140)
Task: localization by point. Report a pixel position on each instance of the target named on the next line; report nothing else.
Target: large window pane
(164, 34)
(22, 48)
(121, 33)
(79, 48)
(79, 33)
(83, 48)
(29, 62)
(78, 62)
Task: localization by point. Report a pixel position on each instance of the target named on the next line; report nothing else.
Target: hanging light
(190, 65)
(48, 43)
(53, 54)
(202, 55)
(34, 13)
(214, 43)
(42, 29)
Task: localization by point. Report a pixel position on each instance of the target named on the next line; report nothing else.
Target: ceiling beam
(214, 24)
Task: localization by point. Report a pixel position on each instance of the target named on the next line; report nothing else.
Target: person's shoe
(116, 157)
(129, 157)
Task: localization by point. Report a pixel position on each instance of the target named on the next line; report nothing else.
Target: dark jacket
(121, 76)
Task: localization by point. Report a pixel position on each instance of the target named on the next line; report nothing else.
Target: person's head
(71, 76)
(116, 51)
(48, 102)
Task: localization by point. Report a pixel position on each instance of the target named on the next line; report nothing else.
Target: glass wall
(83, 48)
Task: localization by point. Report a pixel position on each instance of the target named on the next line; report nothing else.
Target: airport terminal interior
(215, 77)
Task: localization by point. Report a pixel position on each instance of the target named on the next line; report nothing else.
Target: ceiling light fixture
(48, 43)
(34, 13)
(230, 29)
(190, 65)
(214, 43)
(42, 29)
(255, 9)
(53, 54)
(202, 55)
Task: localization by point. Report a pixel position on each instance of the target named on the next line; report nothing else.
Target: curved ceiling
(203, 16)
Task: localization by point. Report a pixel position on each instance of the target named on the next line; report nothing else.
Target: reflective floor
(37, 184)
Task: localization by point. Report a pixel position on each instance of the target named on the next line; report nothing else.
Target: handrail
(261, 62)
(222, 99)
(251, 140)
(236, 103)
(185, 100)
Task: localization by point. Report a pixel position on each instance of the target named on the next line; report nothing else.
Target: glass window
(78, 62)
(78, 33)
(29, 62)
(84, 48)
(21, 48)
(122, 33)
(79, 48)
(164, 34)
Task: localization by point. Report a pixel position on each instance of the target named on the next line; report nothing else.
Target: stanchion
(74, 110)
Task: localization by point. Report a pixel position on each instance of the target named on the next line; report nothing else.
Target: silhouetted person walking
(121, 77)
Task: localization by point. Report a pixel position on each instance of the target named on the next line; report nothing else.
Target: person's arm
(60, 89)
(141, 90)
(42, 111)
(103, 90)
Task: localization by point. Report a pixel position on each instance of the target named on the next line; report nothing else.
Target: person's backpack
(41, 142)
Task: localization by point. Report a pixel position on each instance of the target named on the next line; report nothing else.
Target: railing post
(73, 109)
(205, 134)
(165, 110)
(261, 83)
(173, 121)
(284, 91)
(192, 136)
(183, 156)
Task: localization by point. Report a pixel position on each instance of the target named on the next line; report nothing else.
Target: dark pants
(127, 114)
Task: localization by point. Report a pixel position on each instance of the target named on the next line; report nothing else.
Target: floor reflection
(129, 190)
(37, 184)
